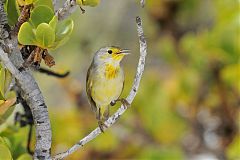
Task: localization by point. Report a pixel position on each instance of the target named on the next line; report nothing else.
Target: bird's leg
(101, 123)
(98, 114)
(106, 113)
(124, 102)
(113, 102)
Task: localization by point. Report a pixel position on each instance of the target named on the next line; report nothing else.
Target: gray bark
(11, 57)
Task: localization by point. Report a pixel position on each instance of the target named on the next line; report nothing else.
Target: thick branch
(30, 91)
(34, 98)
(122, 109)
(3, 22)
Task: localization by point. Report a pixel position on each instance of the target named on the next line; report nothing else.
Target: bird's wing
(89, 90)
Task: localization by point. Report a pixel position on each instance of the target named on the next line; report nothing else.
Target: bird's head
(110, 55)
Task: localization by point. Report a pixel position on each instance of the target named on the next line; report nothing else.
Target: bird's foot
(124, 102)
(113, 102)
(102, 125)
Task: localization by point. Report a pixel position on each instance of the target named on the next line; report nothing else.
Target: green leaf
(47, 3)
(53, 22)
(64, 29)
(5, 141)
(63, 32)
(12, 11)
(2, 80)
(11, 94)
(91, 3)
(1, 97)
(5, 80)
(6, 106)
(26, 35)
(8, 80)
(45, 35)
(24, 2)
(5, 152)
(79, 2)
(25, 157)
(5, 113)
(41, 14)
(233, 151)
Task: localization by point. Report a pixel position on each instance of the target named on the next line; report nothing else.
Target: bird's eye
(110, 51)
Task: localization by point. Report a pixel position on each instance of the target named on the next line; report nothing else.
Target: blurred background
(188, 103)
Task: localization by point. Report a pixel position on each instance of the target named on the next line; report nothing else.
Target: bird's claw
(125, 103)
(113, 103)
(102, 125)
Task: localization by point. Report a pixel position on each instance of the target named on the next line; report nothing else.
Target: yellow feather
(107, 86)
(117, 57)
(111, 71)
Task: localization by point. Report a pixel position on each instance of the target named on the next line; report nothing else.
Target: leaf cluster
(43, 28)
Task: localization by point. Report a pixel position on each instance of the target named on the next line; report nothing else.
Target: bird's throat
(111, 71)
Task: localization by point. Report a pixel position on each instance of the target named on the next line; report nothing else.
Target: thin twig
(52, 73)
(68, 8)
(24, 16)
(122, 109)
(142, 3)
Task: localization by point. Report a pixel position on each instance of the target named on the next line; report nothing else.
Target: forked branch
(122, 109)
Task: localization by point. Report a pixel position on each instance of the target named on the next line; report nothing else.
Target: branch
(10, 56)
(34, 98)
(122, 109)
(142, 3)
(52, 73)
(68, 8)
(3, 22)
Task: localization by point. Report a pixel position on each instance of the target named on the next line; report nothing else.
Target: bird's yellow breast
(107, 86)
(111, 71)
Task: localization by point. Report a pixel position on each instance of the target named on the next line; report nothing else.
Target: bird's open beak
(124, 51)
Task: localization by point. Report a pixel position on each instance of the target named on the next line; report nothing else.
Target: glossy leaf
(12, 12)
(63, 29)
(63, 32)
(5, 141)
(6, 114)
(5, 80)
(53, 22)
(47, 3)
(91, 3)
(8, 98)
(45, 35)
(26, 35)
(25, 157)
(5, 152)
(41, 14)
(2, 79)
(24, 2)
(6, 105)
(8, 80)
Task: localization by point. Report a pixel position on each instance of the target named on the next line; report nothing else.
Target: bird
(105, 82)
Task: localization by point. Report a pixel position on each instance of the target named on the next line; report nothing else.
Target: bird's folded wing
(89, 90)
